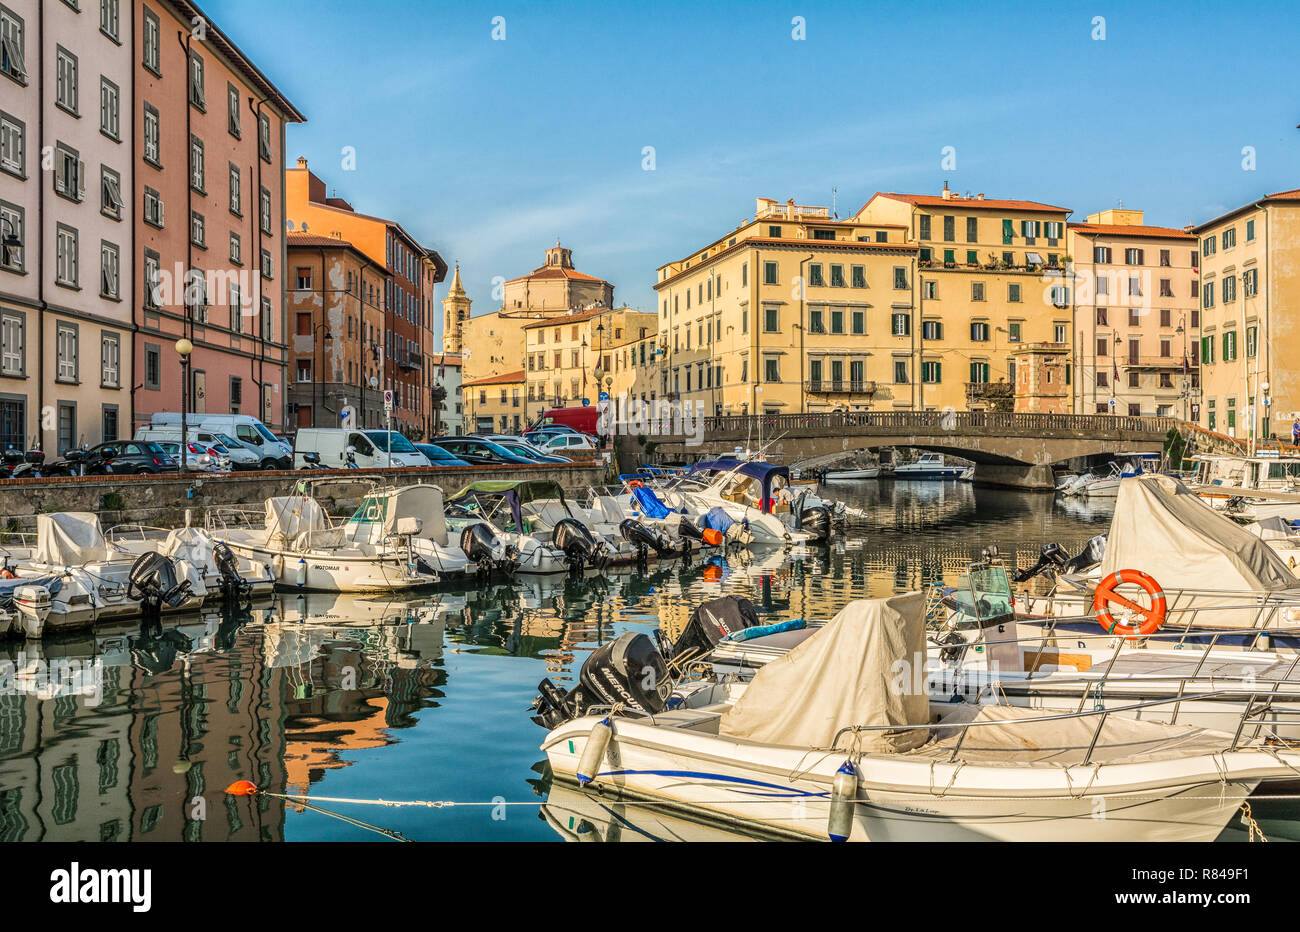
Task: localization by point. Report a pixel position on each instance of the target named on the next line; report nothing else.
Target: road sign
(604, 396)
(388, 400)
(1111, 402)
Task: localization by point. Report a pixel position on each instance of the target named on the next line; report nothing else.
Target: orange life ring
(1154, 614)
(635, 484)
(8, 574)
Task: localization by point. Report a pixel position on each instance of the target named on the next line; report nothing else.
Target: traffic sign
(604, 396)
(388, 400)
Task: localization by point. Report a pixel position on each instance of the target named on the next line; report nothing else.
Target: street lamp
(319, 375)
(184, 348)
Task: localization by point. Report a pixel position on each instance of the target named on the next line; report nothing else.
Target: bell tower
(455, 310)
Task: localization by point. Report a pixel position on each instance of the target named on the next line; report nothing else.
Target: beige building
(636, 364)
(1042, 385)
(493, 344)
(1137, 316)
(1250, 328)
(495, 404)
(571, 358)
(791, 311)
(990, 278)
(455, 311)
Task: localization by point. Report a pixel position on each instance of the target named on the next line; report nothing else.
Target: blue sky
(490, 150)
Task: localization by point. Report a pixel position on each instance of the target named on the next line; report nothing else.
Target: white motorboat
(933, 466)
(221, 569)
(302, 548)
(851, 475)
(753, 494)
(1250, 488)
(829, 740)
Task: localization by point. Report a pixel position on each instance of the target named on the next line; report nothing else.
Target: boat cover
(191, 544)
(69, 538)
(717, 519)
(866, 666)
(1272, 528)
(418, 501)
(649, 504)
(288, 516)
(1165, 530)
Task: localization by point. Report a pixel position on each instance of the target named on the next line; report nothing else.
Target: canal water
(134, 735)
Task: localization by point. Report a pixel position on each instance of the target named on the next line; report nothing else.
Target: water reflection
(133, 734)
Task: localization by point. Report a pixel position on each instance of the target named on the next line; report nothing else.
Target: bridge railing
(926, 421)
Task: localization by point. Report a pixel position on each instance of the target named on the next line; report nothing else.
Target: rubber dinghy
(837, 738)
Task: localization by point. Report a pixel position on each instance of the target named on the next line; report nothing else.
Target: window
(109, 96)
(236, 393)
(1102, 314)
(69, 173)
(264, 137)
(1207, 295)
(67, 353)
(65, 89)
(67, 257)
(266, 211)
(1207, 246)
(304, 283)
(1252, 341)
(110, 192)
(234, 190)
(932, 372)
(1013, 293)
(13, 145)
(1103, 346)
(837, 320)
(13, 358)
(814, 276)
(1250, 282)
(66, 430)
(771, 320)
(771, 369)
(151, 147)
(769, 273)
(930, 289)
(901, 324)
(1008, 232)
(859, 276)
(900, 372)
(110, 355)
(1013, 331)
(900, 277)
(924, 232)
(1250, 230)
(150, 43)
(197, 236)
(196, 164)
(1229, 237)
(774, 232)
(236, 254)
(979, 331)
(1229, 289)
(1207, 350)
(268, 266)
(1029, 230)
(11, 45)
(232, 110)
(110, 263)
(1229, 345)
(1133, 256)
(1165, 258)
(837, 276)
(815, 324)
(972, 257)
(108, 18)
(1058, 332)
(152, 366)
(949, 229)
(11, 224)
(977, 291)
(931, 330)
(979, 372)
(151, 269)
(196, 81)
(153, 207)
(972, 230)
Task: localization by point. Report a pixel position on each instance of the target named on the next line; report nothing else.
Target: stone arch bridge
(1008, 449)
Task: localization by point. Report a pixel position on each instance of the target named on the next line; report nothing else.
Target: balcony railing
(840, 386)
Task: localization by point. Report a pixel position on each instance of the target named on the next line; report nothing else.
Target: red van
(583, 419)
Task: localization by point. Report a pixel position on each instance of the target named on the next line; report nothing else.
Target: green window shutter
(1008, 232)
(1038, 228)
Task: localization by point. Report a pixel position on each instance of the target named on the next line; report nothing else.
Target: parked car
(478, 452)
(437, 456)
(240, 456)
(369, 448)
(244, 428)
(128, 456)
(199, 457)
(523, 448)
(570, 444)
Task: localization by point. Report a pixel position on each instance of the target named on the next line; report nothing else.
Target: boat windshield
(984, 592)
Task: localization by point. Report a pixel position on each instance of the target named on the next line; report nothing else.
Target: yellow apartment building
(991, 277)
(1137, 316)
(571, 358)
(494, 404)
(793, 310)
(1250, 328)
(636, 364)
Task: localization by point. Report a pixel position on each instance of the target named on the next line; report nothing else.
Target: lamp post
(11, 240)
(319, 375)
(184, 348)
(1187, 383)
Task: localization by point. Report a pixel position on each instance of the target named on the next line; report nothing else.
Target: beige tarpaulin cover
(1272, 528)
(423, 502)
(288, 516)
(1165, 530)
(860, 669)
(69, 538)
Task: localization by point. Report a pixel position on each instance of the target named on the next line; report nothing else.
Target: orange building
(398, 347)
(209, 243)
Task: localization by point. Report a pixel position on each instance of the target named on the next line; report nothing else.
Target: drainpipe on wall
(803, 293)
(40, 237)
(256, 214)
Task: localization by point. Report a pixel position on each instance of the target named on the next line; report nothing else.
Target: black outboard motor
(486, 549)
(1092, 554)
(709, 624)
(687, 528)
(643, 537)
(579, 544)
(153, 582)
(629, 671)
(815, 521)
(1052, 556)
(233, 586)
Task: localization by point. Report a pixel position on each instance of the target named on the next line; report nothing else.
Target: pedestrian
(1295, 432)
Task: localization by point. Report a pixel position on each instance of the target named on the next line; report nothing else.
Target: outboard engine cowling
(483, 547)
(1092, 554)
(1052, 555)
(232, 584)
(628, 671)
(709, 624)
(816, 521)
(153, 581)
(578, 544)
(643, 536)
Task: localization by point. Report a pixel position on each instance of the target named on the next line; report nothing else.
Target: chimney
(945, 193)
(302, 163)
(980, 196)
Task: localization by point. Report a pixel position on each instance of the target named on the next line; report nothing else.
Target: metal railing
(886, 422)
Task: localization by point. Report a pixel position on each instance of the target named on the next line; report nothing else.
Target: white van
(331, 445)
(248, 430)
(241, 457)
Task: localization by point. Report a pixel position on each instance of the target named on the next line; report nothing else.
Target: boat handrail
(1098, 635)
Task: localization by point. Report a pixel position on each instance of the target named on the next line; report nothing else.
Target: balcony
(841, 387)
(998, 395)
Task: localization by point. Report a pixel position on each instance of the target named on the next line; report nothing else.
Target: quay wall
(162, 500)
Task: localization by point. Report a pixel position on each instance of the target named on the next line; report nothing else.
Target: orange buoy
(1153, 615)
(241, 788)
(711, 536)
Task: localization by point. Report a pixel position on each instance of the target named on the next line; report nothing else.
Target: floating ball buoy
(844, 795)
(241, 788)
(594, 752)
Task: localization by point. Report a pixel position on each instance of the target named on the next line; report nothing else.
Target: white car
(200, 457)
(570, 445)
